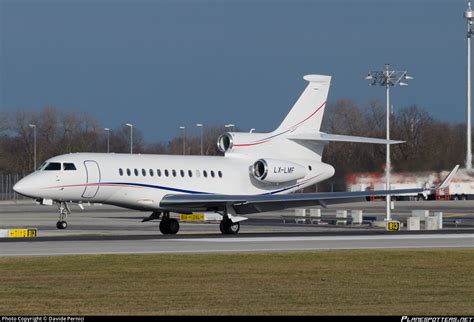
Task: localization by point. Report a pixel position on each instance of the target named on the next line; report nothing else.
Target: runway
(111, 230)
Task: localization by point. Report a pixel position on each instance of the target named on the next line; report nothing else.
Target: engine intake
(225, 142)
(277, 171)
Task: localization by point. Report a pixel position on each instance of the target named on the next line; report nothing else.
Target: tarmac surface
(102, 229)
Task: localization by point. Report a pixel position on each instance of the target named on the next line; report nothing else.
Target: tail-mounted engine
(277, 171)
(225, 142)
(235, 142)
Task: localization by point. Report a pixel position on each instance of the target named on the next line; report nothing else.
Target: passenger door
(92, 179)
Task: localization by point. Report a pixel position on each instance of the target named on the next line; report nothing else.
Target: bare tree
(429, 144)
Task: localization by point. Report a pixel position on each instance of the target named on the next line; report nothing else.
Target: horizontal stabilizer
(340, 138)
(445, 183)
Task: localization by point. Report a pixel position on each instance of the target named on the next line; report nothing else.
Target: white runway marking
(232, 245)
(258, 250)
(322, 238)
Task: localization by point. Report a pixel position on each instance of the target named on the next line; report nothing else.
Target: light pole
(469, 15)
(387, 78)
(184, 138)
(108, 138)
(33, 126)
(201, 126)
(131, 137)
(231, 126)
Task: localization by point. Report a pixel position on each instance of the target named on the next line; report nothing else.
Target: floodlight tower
(108, 138)
(184, 138)
(202, 127)
(388, 78)
(130, 125)
(469, 15)
(33, 126)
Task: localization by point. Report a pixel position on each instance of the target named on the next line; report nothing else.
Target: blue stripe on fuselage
(183, 190)
(157, 187)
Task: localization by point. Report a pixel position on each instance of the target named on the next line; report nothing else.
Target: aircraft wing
(248, 204)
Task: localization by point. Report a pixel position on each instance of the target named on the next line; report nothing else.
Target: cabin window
(144, 172)
(69, 166)
(136, 172)
(128, 172)
(204, 173)
(219, 173)
(121, 172)
(53, 166)
(173, 172)
(181, 172)
(167, 172)
(212, 173)
(151, 172)
(158, 172)
(190, 173)
(310, 168)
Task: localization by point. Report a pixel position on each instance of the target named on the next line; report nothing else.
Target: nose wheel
(61, 225)
(63, 212)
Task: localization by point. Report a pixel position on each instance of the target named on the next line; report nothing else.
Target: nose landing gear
(63, 212)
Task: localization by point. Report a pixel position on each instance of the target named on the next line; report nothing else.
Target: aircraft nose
(19, 187)
(22, 187)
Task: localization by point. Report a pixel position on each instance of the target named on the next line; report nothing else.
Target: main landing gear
(228, 227)
(168, 226)
(63, 212)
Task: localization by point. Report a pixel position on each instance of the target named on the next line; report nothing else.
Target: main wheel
(61, 225)
(173, 226)
(227, 227)
(221, 227)
(233, 228)
(164, 227)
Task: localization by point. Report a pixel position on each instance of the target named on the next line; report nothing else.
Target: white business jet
(257, 173)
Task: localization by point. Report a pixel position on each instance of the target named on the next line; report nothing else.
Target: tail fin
(307, 113)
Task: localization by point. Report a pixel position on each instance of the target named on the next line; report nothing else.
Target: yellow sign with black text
(18, 233)
(393, 226)
(191, 217)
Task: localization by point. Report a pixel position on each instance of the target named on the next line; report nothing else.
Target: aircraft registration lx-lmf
(253, 176)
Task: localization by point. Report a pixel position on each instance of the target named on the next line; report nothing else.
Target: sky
(161, 64)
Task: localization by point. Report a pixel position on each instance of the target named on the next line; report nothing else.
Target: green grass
(398, 282)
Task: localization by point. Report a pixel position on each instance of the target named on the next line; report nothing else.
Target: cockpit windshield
(42, 166)
(52, 166)
(56, 166)
(69, 166)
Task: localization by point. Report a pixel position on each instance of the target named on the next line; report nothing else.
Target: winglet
(445, 183)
